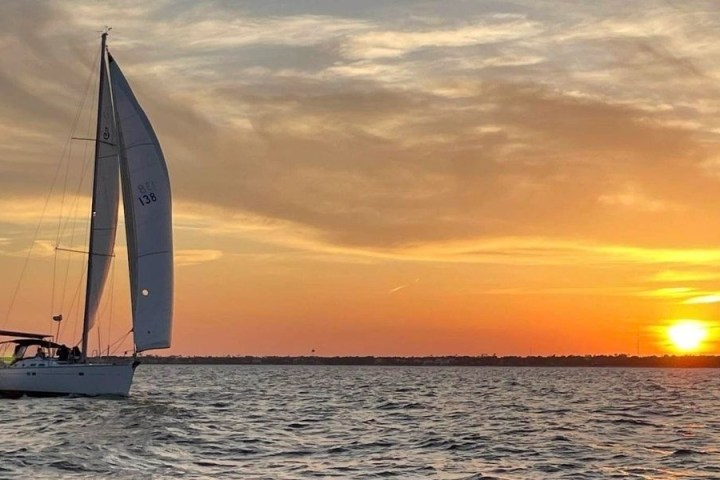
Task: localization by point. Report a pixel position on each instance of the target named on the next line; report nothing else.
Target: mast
(98, 136)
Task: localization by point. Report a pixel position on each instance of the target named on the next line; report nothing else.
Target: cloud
(548, 251)
(375, 134)
(672, 292)
(684, 276)
(29, 211)
(380, 166)
(40, 248)
(703, 299)
(389, 43)
(186, 257)
(402, 287)
(629, 197)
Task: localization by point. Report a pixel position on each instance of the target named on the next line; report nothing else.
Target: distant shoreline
(665, 361)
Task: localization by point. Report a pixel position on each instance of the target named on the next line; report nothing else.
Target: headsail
(148, 218)
(106, 189)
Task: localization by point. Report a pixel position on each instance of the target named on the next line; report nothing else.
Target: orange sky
(385, 178)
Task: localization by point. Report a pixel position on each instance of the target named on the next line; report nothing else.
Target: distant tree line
(665, 361)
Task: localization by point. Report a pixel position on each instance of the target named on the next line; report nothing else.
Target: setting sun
(687, 335)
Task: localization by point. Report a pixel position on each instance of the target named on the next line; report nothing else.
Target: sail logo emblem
(147, 194)
(106, 134)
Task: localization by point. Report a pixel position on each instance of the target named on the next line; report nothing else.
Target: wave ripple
(269, 422)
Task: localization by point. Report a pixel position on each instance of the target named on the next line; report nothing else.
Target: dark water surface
(375, 422)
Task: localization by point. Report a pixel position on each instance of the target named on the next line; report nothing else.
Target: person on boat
(75, 354)
(40, 353)
(63, 353)
(18, 353)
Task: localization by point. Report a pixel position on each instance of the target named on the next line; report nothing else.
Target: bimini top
(29, 342)
(8, 333)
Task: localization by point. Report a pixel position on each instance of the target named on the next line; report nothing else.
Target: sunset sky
(384, 177)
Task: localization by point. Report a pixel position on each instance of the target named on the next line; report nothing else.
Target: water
(267, 422)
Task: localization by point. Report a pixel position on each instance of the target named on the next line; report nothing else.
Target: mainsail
(106, 189)
(127, 158)
(148, 218)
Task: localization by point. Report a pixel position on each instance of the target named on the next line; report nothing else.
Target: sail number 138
(147, 193)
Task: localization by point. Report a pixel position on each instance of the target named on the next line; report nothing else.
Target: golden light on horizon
(687, 335)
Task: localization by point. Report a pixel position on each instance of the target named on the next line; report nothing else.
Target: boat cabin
(34, 350)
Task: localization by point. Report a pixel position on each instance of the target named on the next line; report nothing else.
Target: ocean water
(283, 422)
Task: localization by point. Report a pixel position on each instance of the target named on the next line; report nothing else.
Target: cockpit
(38, 348)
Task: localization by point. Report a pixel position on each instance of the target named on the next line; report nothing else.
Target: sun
(687, 335)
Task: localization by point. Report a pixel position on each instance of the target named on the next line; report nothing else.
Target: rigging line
(118, 343)
(88, 84)
(149, 254)
(73, 207)
(72, 214)
(75, 304)
(83, 172)
(76, 121)
(97, 327)
(101, 312)
(112, 299)
(54, 281)
(96, 140)
(86, 159)
(40, 221)
(91, 82)
(64, 288)
(145, 144)
(44, 210)
(73, 230)
(25, 263)
(59, 228)
(71, 250)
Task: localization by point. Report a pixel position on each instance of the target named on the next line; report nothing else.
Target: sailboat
(129, 164)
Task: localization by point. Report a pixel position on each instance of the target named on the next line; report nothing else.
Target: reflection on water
(367, 422)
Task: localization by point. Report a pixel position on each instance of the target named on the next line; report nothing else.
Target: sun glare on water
(687, 335)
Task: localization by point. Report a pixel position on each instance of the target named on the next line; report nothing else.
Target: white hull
(52, 379)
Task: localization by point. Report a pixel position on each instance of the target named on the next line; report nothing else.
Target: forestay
(148, 218)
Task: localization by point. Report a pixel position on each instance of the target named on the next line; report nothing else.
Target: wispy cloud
(402, 287)
(703, 299)
(389, 43)
(684, 276)
(631, 198)
(194, 257)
